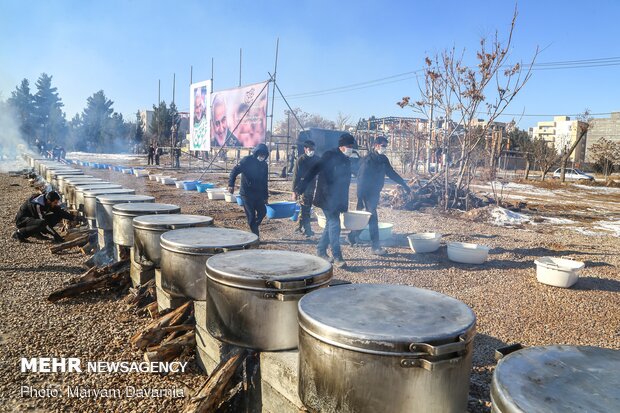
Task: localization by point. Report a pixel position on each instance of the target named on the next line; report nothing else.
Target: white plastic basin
(558, 272)
(168, 181)
(354, 220)
(159, 178)
(466, 253)
(424, 242)
(230, 197)
(179, 184)
(385, 232)
(217, 193)
(141, 172)
(321, 220)
(154, 177)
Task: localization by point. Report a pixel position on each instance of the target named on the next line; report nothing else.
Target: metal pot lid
(132, 210)
(111, 199)
(101, 185)
(207, 240)
(76, 181)
(381, 318)
(269, 270)
(63, 172)
(169, 222)
(93, 193)
(558, 379)
(80, 176)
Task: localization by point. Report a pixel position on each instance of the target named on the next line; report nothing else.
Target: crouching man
(39, 215)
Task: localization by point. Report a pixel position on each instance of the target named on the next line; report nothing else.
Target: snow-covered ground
(104, 156)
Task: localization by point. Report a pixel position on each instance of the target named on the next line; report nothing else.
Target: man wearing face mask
(303, 165)
(332, 194)
(370, 178)
(253, 190)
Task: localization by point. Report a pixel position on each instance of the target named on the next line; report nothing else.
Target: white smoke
(12, 145)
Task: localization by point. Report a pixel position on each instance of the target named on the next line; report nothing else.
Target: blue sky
(124, 47)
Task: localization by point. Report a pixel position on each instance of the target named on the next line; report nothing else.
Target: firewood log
(153, 332)
(173, 349)
(78, 242)
(114, 277)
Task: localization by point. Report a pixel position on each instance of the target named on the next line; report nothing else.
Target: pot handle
(284, 297)
(290, 285)
(442, 349)
(431, 365)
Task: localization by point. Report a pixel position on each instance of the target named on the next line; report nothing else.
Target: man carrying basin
(332, 193)
(253, 190)
(303, 165)
(370, 178)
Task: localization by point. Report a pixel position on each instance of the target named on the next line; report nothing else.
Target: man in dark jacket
(38, 216)
(303, 165)
(332, 194)
(151, 154)
(370, 178)
(253, 191)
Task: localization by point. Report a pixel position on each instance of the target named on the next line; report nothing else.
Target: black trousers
(149, 160)
(369, 203)
(304, 215)
(31, 226)
(255, 212)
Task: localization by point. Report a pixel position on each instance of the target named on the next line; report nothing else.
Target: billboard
(200, 116)
(233, 120)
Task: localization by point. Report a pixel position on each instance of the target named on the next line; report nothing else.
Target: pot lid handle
(289, 285)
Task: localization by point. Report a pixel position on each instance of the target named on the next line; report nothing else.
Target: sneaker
(326, 257)
(340, 263)
(309, 233)
(379, 251)
(18, 236)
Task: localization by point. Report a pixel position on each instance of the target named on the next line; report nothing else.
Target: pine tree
(47, 115)
(96, 122)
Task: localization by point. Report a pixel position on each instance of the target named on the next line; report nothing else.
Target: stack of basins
(123, 215)
(146, 252)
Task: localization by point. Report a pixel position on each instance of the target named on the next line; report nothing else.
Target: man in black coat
(151, 154)
(303, 165)
(253, 191)
(370, 178)
(38, 216)
(332, 194)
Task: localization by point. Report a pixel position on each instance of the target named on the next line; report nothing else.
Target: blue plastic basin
(283, 209)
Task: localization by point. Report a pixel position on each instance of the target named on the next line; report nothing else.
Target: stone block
(200, 313)
(280, 371)
(165, 301)
(274, 402)
(140, 275)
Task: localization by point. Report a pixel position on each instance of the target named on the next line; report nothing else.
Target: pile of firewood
(168, 336)
(110, 277)
(85, 239)
(143, 299)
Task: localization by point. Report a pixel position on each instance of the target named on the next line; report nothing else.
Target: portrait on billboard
(200, 122)
(239, 116)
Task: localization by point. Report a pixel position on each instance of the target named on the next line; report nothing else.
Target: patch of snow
(613, 226)
(587, 232)
(598, 188)
(113, 156)
(504, 217)
(558, 221)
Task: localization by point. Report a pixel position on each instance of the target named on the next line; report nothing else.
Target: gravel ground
(510, 305)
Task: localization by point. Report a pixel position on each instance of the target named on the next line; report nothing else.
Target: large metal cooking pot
(62, 178)
(384, 348)
(73, 181)
(47, 164)
(184, 253)
(557, 379)
(90, 199)
(51, 172)
(105, 203)
(79, 191)
(74, 186)
(252, 296)
(123, 215)
(56, 175)
(148, 228)
(35, 161)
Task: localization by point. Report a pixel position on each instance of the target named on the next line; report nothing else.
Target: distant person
(151, 154)
(291, 160)
(38, 216)
(220, 129)
(254, 185)
(332, 194)
(370, 179)
(177, 155)
(158, 152)
(303, 165)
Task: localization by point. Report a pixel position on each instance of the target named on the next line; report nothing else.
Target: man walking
(38, 216)
(332, 194)
(370, 179)
(303, 165)
(253, 191)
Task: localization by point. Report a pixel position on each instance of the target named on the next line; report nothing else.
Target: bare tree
(545, 155)
(605, 154)
(452, 89)
(583, 125)
(342, 120)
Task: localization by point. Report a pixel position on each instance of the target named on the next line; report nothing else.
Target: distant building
(562, 132)
(608, 128)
